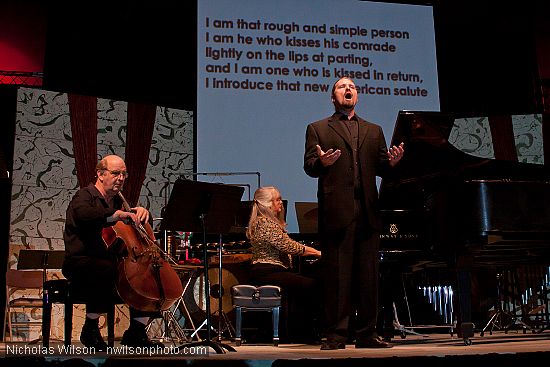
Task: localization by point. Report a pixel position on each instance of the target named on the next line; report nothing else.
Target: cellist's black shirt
(86, 217)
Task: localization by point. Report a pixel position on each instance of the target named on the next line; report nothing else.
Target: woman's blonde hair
(262, 207)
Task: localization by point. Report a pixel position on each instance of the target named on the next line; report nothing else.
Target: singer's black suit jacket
(335, 191)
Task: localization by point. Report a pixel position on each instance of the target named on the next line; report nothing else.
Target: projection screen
(266, 69)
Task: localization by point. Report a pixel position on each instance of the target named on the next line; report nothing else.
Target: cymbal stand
(500, 316)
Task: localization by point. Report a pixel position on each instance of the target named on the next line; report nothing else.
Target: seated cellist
(90, 264)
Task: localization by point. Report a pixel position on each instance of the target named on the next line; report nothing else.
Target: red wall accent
(22, 36)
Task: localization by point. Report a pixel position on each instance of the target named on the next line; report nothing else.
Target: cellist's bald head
(103, 164)
(111, 174)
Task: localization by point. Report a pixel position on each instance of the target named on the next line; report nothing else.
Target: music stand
(40, 259)
(208, 208)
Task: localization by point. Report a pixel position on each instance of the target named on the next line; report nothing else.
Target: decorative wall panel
(473, 136)
(44, 176)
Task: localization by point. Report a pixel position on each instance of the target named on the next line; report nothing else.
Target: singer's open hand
(396, 153)
(329, 157)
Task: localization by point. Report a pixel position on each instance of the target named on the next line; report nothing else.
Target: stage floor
(497, 350)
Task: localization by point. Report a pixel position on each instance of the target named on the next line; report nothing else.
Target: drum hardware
(235, 271)
(169, 317)
(171, 325)
(191, 270)
(194, 286)
(169, 320)
(174, 244)
(196, 333)
(194, 296)
(505, 314)
(217, 293)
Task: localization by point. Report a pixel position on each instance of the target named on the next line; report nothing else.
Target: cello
(146, 281)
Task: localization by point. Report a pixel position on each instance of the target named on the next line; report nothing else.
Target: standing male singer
(346, 153)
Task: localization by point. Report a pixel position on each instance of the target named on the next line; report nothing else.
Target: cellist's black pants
(93, 281)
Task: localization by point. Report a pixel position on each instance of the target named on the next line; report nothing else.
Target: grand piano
(448, 207)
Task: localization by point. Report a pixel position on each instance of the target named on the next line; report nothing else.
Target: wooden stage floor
(442, 350)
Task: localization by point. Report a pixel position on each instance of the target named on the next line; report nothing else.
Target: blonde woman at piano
(272, 251)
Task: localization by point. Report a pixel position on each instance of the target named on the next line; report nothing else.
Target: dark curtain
(83, 114)
(139, 133)
(502, 132)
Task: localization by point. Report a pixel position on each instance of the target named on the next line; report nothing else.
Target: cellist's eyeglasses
(118, 173)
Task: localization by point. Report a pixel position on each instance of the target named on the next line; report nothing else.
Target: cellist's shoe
(136, 336)
(90, 336)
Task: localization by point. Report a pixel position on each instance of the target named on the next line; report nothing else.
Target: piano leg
(464, 282)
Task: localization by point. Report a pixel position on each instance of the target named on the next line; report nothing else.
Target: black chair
(250, 298)
(61, 291)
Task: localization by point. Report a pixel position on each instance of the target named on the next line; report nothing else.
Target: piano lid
(429, 153)
(496, 210)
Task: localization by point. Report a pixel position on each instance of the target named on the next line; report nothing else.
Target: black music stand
(208, 208)
(40, 259)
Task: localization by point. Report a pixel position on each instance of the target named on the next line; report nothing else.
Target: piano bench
(251, 298)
